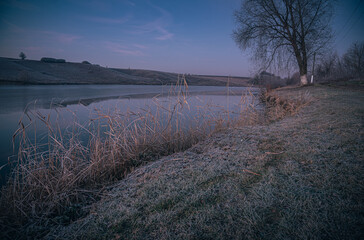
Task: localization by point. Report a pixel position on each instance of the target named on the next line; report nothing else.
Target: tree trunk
(304, 79)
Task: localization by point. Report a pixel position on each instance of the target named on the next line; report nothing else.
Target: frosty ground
(296, 177)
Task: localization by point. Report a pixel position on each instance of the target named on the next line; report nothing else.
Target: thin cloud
(165, 34)
(129, 3)
(20, 5)
(140, 46)
(13, 28)
(128, 52)
(110, 20)
(122, 49)
(60, 37)
(54, 36)
(158, 26)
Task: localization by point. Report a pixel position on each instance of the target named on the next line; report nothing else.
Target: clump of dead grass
(279, 106)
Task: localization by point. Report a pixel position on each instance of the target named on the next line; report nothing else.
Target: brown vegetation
(278, 107)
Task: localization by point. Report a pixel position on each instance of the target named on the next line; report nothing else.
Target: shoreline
(270, 181)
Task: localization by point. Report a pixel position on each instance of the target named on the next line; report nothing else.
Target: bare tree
(280, 29)
(328, 66)
(22, 55)
(354, 59)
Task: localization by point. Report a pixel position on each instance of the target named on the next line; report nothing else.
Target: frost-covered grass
(300, 177)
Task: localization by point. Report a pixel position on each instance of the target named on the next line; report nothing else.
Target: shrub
(22, 56)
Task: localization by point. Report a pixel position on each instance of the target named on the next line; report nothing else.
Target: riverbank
(298, 177)
(55, 176)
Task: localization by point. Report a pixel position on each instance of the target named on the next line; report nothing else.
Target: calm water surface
(68, 103)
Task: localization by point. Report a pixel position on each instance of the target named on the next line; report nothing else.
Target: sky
(182, 36)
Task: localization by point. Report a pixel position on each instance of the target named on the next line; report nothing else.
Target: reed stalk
(48, 183)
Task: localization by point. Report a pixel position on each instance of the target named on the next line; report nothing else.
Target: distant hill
(15, 71)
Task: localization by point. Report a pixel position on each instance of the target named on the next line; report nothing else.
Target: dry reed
(51, 181)
(278, 107)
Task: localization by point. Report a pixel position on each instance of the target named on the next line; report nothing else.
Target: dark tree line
(350, 65)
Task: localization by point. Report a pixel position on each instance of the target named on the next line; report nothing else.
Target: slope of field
(15, 71)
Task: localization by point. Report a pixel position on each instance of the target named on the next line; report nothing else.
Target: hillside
(15, 71)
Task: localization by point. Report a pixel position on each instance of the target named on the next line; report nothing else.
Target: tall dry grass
(278, 106)
(51, 181)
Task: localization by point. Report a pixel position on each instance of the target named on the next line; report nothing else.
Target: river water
(66, 104)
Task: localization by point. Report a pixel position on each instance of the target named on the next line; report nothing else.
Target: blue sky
(187, 36)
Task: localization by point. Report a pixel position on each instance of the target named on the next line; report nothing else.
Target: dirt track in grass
(301, 177)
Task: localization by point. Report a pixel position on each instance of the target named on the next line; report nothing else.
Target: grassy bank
(299, 177)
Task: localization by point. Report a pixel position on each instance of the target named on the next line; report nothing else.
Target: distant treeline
(350, 65)
(55, 60)
(52, 60)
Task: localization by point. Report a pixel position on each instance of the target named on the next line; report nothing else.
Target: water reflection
(65, 105)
